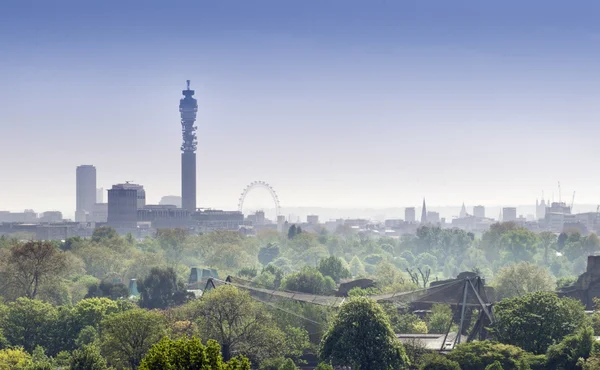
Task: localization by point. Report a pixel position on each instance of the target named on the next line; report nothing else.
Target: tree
(495, 366)
(566, 354)
(334, 268)
(361, 337)
(239, 325)
(439, 319)
(127, 336)
(185, 353)
(520, 244)
(308, 280)
(356, 267)
(15, 359)
(91, 311)
(522, 278)
(292, 232)
(535, 320)
(29, 323)
(108, 289)
(161, 289)
(87, 358)
(478, 355)
(30, 264)
(267, 254)
(172, 242)
(103, 233)
(438, 362)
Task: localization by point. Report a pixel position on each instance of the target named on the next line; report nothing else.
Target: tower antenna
(188, 84)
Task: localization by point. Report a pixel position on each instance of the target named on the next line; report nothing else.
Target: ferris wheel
(259, 184)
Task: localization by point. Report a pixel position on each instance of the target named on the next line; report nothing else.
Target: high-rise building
(409, 214)
(124, 200)
(433, 217)
(86, 192)
(312, 219)
(424, 213)
(509, 214)
(188, 107)
(100, 195)
(479, 211)
(540, 209)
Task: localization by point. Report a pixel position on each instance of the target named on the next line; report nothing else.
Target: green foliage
(267, 254)
(104, 233)
(535, 320)
(184, 354)
(439, 319)
(566, 353)
(479, 355)
(127, 336)
(239, 324)
(406, 323)
(15, 359)
(522, 278)
(360, 336)
(288, 365)
(334, 268)
(108, 289)
(308, 280)
(495, 366)
(324, 366)
(29, 323)
(162, 289)
(438, 362)
(356, 267)
(87, 357)
(27, 267)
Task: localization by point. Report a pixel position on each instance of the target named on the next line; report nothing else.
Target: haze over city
(335, 104)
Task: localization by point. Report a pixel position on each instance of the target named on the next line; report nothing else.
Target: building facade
(85, 192)
(479, 211)
(509, 214)
(124, 200)
(409, 214)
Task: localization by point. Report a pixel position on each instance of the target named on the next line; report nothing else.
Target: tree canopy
(361, 337)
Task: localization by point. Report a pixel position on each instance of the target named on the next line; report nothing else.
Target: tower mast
(188, 106)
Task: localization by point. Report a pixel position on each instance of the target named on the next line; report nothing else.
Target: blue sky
(335, 103)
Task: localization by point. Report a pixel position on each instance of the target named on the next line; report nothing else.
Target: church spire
(424, 213)
(463, 211)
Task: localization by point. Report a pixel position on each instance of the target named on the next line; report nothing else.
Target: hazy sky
(335, 103)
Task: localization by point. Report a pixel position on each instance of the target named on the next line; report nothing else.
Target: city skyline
(328, 115)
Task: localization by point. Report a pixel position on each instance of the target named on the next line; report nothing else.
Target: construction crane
(572, 201)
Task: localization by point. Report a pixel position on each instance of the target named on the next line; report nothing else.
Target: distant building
(213, 219)
(509, 214)
(51, 217)
(433, 217)
(100, 213)
(463, 211)
(409, 214)
(479, 211)
(124, 200)
(100, 195)
(393, 223)
(174, 200)
(424, 213)
(540, 209)
(312, 219)
(86, 191)
(164, 216)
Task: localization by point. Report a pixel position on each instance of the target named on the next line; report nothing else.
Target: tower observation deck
(188, 107)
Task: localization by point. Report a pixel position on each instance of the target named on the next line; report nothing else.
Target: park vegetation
(67, 305)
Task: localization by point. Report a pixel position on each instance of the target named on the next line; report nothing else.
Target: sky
(335, 103)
